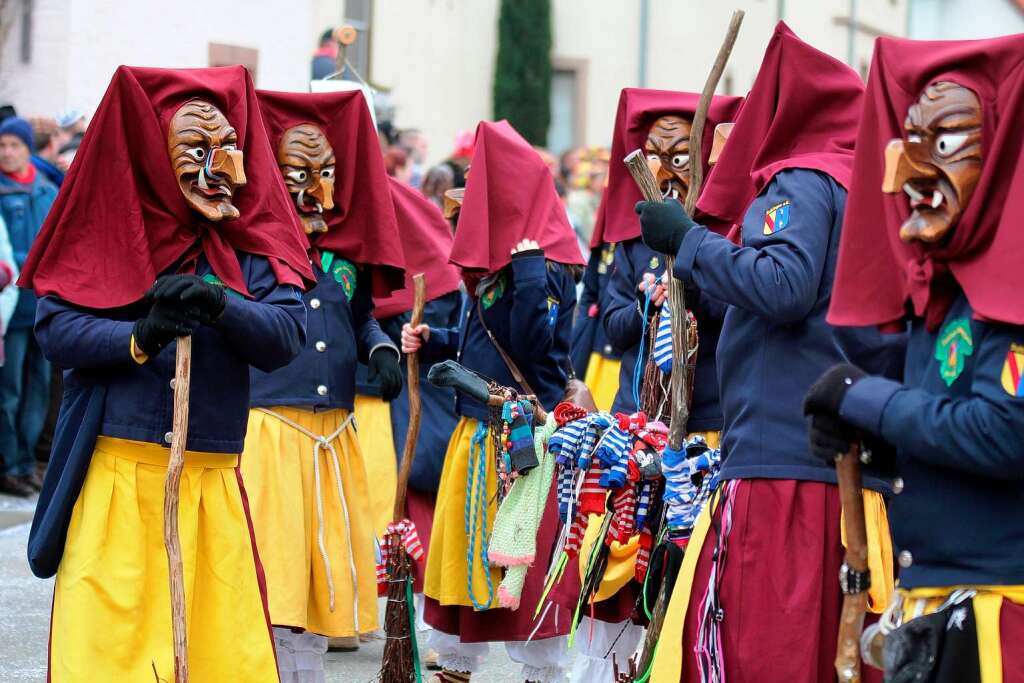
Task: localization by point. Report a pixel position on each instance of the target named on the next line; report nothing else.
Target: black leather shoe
(14, 486)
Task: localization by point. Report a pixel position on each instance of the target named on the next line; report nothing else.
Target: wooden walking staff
(637, 164)
(172, 484)
(400, 662)
(855, 593)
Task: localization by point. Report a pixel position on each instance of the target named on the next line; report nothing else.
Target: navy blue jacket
(532, 320)
(775, 342)
(623, 322)
(266, 332)
(339, 332)
(588, 335)
(960, 451)
(438, 418)
(24, 208)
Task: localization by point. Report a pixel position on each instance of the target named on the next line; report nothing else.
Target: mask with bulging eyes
(938, 165)
(307, 163)
(206, 160)
(668, 155)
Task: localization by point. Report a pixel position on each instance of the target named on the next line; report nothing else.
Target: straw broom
(400, 663)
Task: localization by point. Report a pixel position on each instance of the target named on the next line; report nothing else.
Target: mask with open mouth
(939, 164)
(307, 163)
(668, 155)
(206, 159)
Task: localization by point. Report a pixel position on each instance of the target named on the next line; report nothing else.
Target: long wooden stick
(419, 298)
(851, 620)
(172, 541)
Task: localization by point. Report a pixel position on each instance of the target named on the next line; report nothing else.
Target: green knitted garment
(513, 541)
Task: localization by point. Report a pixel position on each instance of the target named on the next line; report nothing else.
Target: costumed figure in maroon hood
(518, 256)
(933, 242)
(174, 183)
(658, 122)
(306, 473)
(782, 178)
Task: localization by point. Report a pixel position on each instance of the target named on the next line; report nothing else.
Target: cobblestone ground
(25, 613)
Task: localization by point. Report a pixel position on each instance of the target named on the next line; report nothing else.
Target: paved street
(25, 613)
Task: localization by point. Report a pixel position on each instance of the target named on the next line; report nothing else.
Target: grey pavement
(25, 614)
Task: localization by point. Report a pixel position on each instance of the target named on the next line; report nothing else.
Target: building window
(567, 127)
(358, 14)
(26, 31)
(229, 55)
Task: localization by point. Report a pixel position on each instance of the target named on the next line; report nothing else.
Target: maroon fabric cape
(801, 112)
(877, 272)
(510, 196)
(362, 226)
(427, 241)
(120, 218)
(638, 109)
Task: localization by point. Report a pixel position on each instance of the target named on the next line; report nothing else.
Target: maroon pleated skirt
(419, 507)
(500, 624)
(779, 588)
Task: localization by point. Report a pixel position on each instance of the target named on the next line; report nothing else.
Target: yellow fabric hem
(880, 563)
(376, 440)
(603, 380)
(153, 454)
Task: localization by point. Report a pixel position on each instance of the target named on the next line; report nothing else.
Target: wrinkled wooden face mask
(939, 163)
(668, 155)
(306, 161)
(206, 160)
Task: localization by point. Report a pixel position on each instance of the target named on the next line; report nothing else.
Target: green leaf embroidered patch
(494, 293)
(953, 345)
(343, 271)
(214, 280)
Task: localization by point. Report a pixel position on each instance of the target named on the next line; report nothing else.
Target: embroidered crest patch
(776, 219)
(344, 272)
(653, 265)
(952, 347)
(494, 293)
(214, 280)
(1013, 367)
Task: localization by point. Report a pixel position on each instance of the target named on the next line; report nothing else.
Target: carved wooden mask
(307, 163)
(206, 160)
(939, 163)
(668, 155)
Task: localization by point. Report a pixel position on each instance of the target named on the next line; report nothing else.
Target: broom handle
(172, 541)
(419, 300)
(851, 619)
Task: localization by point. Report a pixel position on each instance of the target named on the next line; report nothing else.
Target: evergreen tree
(522, 79)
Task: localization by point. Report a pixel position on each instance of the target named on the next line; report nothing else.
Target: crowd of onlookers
(34, 155)
(580, 173)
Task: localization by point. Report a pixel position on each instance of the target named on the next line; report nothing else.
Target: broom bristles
(397, 664)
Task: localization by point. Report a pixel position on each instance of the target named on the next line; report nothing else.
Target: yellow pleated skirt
(373, 415)
(448, 577)
(111, 603)
(603, 380)
(309, 546)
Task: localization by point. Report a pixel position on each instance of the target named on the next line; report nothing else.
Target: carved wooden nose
(898, 169)
(228, 162)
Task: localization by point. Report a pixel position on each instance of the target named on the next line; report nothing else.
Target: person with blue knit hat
(25, 198)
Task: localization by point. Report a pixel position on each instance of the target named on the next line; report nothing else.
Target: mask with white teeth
(668, 155)
(206, 159)
(307, 163)
(939, 163)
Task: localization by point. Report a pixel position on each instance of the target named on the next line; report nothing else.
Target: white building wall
(40, 86)
(964, 19)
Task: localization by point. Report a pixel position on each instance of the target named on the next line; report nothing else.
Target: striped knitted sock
(446, 676)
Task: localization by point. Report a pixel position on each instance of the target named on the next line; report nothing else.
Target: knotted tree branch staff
(637, 165)
(400, 661)
(172, 486)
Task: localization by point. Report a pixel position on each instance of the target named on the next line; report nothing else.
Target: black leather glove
(830, 435)
(385, 373)
(194, 292)
(663, 224)
(165, 322)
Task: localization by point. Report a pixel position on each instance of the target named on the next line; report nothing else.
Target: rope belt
(324, 443)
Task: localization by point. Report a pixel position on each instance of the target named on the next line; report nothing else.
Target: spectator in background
(438, 180)
(72, 125)
(25, 198)
(325, 58)
(415, 144)
(396, 162)
(589, 172)
(7, 111)
(49, 139)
